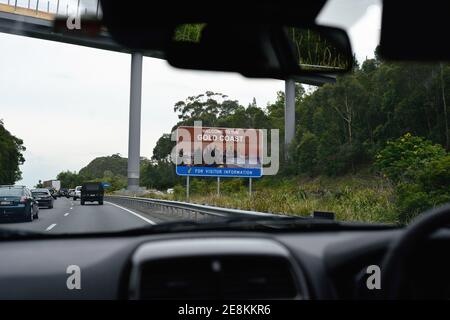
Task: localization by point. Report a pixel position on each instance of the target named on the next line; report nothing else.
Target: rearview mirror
(320, 49)
(277, 51)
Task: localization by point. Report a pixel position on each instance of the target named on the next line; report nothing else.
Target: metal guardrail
(182, 210)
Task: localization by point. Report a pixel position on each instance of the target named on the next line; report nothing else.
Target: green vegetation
(111, 169)
(310, 47)
(343, 130)
(371, 147)
(189, 32)
(359, 197)
(313, 50)
(115, 164)
(11, 156)
(420, 171)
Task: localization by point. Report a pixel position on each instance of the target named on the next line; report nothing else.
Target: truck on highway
(52, 184)
(92, 191)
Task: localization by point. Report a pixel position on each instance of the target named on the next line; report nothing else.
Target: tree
(163, 147)
(11, 156)
(69, 179)
(96, 168)
(403, 158)
(159, 175)
(205, 107)
(304, 153)
(420, 171)
(444, 104)
(39, 184)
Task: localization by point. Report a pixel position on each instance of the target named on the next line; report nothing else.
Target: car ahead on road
(91, 192)
(77, 193)
(17, 202)
(63, 192)
(43, 196)
(70, 193)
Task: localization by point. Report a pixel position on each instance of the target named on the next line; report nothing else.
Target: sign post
(187, 188)
(250, 186)
(218, 186)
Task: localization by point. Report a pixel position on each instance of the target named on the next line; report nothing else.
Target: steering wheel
(416, 233)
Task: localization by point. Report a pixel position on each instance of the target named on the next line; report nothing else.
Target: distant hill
(115, 164)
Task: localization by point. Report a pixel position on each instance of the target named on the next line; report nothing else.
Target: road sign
(219, 152)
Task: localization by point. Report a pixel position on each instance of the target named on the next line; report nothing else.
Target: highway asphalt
(68, 216)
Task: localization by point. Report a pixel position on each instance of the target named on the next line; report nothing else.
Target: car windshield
(40, 193)
(92, 187)
(10, 192)
(168, 145)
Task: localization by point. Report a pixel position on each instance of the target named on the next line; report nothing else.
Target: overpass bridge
(40, 19)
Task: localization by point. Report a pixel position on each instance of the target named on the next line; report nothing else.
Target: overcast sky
(70, 104)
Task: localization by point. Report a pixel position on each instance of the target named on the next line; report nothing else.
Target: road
(68, 216)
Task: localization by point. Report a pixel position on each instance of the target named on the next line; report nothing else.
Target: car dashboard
(212, 265)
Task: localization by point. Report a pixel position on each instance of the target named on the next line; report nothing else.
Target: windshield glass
(371, 146)
(92, 187)
(40, 193)
(10, 192)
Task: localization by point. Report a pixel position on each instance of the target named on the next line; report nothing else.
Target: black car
(17, 202)
(63, 192)
(44, 197)
(92, 191)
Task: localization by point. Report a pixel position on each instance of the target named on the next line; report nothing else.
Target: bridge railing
(48, 9)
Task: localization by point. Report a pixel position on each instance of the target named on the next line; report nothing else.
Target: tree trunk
(447, 142)
(349, 125)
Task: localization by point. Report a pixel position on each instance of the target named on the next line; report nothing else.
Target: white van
(77, 193)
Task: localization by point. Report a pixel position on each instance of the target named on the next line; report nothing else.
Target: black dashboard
(291, 265)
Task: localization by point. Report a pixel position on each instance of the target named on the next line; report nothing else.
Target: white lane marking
(70, 208)
(50, 227)
(66, 214)
(132, 212)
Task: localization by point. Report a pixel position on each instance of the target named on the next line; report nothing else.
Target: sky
(70, 104)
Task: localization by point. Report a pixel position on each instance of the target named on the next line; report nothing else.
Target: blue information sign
(219, 172)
